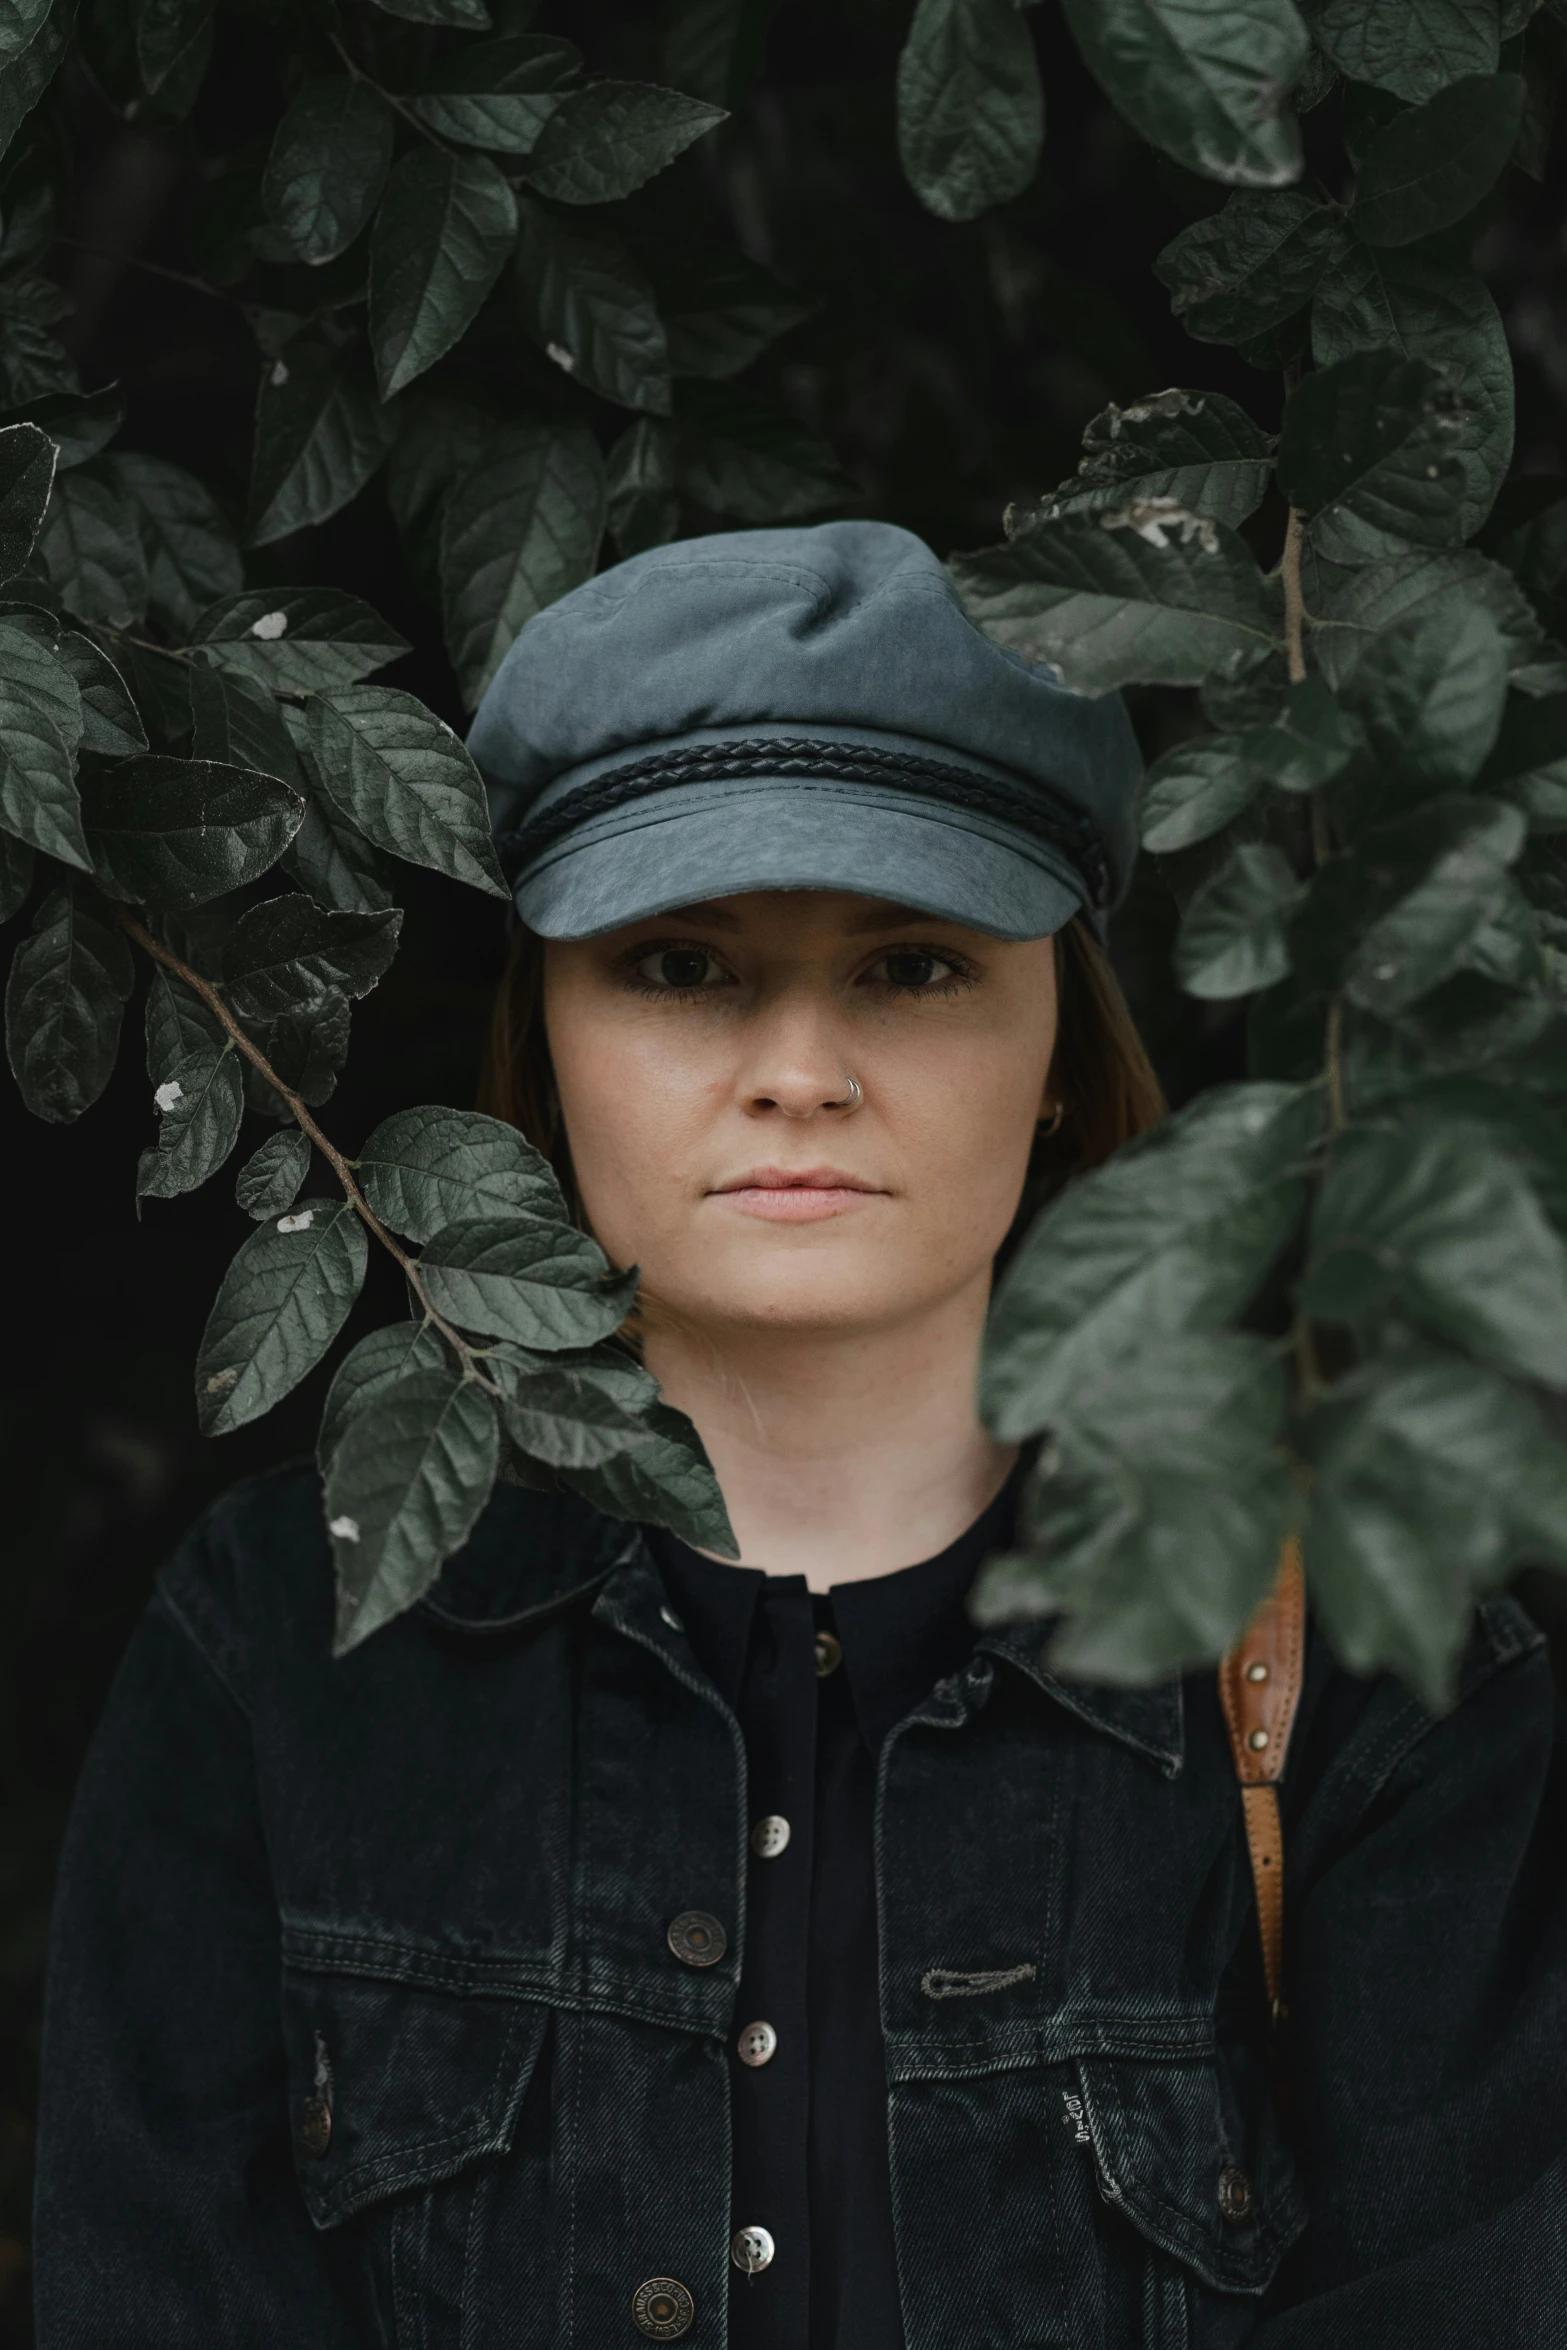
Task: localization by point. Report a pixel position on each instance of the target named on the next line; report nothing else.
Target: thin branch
(340, 1166)
(359, 74)
(128, 636)
(1294, 605)
(1307, 1368)
(176, 277)
(1335, 1065)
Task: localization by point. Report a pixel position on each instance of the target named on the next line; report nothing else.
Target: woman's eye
(914, 967)
(680, 967)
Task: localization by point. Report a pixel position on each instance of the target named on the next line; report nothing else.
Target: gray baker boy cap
(796, 709)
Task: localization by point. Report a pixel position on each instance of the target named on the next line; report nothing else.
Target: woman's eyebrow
(895, 918)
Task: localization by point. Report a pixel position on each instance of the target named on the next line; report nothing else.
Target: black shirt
(817, 1681)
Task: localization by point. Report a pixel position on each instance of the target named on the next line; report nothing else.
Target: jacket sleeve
(167, 2214)
(1428, 2048)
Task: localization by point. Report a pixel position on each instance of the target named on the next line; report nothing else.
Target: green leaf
(320, 435)
(1234, 938)
(380, 1358)
(741, 456)
(178, 1023)
(40, 721)
(70, 980)
(78, 423)
(306, 1052)
(1195, 447)
(1424, 307)
(472, 15)
(591, 307)
(285, 957)
(90, 546)
(1430, 1221)
(409, 1478)
(329, 858)
(1200, 786)
(1425, 170)
(497, 94)
(543, 1285)
(1369, 452)
(16, 875)
(200, 1102)
(1431, 1481)
(574, 1412)
(1528, 763)
(521, 527)
(111, 722)
(604, 140)
(1429, 692)
(401, 775)
(1209, 86)
(25, 79)
(238, 722)
(445, 228)
(1375, 596)
(971, 112)
(191, 554)
(27, 461)
(174, 832)
(425, 1168)
(667, 1481)
(443, 426)
(719, 309)
(1412, 47)
(1251, 266)
(1155, 1516)
(291, 639)
(284, 1299)
(1392, 917)
(328, 164)
(20, 21)
(1147, 593)
(1175, 1233)
(173, 47)
(641, 501)
(269, 1182)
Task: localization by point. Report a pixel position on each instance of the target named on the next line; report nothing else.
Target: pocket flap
(1191, 2151)
(391, 2087)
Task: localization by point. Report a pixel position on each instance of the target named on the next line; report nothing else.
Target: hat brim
(724, 837)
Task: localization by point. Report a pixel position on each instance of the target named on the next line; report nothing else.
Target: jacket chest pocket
(1197, 2193)
(402, 2102)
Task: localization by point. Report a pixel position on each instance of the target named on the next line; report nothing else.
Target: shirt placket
(769, 2299)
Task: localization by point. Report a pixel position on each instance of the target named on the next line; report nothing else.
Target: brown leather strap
(1259, 1688)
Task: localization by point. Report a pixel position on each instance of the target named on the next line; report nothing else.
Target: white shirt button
(751, 2249)
(757, 2044)
(770, 1836)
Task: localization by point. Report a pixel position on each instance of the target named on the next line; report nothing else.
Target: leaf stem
(176, 277)
(340, 1166)
(1335, 1065)
(391, 98)
(1294, 603)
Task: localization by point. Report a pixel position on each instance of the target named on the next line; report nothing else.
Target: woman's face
(704, 1058)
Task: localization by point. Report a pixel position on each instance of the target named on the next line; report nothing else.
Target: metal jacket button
(751, 2249)
(829, 1654)
(697, 1938)
(315, 2126)
(770, 1836)
(1235, 2194)
(663, 2309)
(757, 2044)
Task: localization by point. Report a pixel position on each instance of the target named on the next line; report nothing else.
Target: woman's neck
(840, 1454)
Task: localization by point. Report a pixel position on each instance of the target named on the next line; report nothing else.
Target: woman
(629, 1944)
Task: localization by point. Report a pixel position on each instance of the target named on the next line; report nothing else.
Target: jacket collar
(1151, 1721)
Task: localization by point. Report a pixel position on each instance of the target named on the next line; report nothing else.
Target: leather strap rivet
(1257, 1740)
(1257, 1671)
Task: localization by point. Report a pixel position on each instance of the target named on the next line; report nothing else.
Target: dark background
(952, 367)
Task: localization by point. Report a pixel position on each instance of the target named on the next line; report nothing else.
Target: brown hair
(1100, 1072)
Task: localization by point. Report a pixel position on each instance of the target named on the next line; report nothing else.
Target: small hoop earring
(852, 1099)
(1052, 1124)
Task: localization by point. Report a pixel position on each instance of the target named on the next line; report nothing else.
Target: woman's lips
(782, 1195)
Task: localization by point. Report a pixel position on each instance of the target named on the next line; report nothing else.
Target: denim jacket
(364, 2027)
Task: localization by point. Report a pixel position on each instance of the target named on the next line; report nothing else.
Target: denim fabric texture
(363, 2028)
(795, 709)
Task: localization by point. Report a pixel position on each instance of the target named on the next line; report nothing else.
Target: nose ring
(852, 1099)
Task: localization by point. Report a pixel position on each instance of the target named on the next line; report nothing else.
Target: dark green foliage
(481, 294)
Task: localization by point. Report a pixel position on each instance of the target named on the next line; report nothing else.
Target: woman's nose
(799, 1070)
